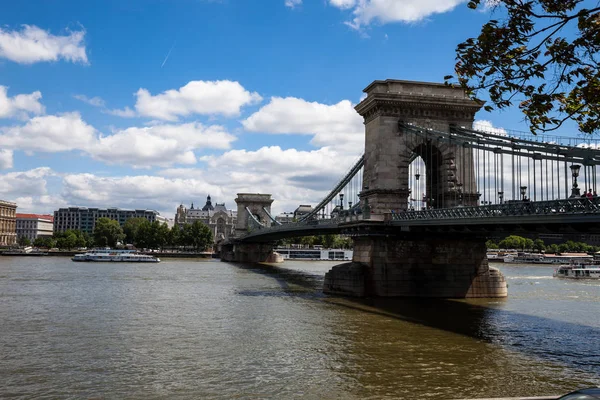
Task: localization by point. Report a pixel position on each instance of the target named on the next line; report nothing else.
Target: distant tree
(173, 237)
(513, 242)
(143, 234)
(329, 241)
(307, 241)
(66, 240)
(107, 232)
(538, 245)
(201, 236)
(490, 244)
(542, 53)
(24, 241)
(161, 234)
(130, 228)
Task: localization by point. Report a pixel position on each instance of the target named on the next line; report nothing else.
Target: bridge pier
(249, 253)
(440, 267)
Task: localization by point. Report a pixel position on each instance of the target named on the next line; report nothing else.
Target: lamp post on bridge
(523, 191)
(575, 173)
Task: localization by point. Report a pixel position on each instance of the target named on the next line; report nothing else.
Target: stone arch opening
(426, 180)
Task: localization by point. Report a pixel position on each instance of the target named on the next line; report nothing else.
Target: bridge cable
(271, 217)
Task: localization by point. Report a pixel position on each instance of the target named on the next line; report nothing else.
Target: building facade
(84, 218)
(33, 226)
(218, 218)
(8, 223)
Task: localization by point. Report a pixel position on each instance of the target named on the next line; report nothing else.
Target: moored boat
(115, 256)
(577, 271)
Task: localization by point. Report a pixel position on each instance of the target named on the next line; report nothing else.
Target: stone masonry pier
(427, 267)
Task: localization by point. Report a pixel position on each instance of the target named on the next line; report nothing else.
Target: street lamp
(501, 196)
(523, 191)
(341, 201)
(575, 173)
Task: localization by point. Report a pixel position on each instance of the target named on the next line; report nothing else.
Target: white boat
(115, 256)
(527, 258)
(578, 271)
(314, 254)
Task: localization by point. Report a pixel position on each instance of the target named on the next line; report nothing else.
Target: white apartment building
(33, 226)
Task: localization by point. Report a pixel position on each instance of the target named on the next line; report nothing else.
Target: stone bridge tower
(389, 150)
(257, 204)
(233, 250)
(416, 263)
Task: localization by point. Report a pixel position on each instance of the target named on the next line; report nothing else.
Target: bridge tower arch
(389, 150)
(251, 205)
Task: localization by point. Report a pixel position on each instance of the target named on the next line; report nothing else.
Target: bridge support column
(429, 267)
(249, 252)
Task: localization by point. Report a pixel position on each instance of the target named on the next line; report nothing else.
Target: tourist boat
(578, 271)
(314, 254)
(115, 256)
(527, 258)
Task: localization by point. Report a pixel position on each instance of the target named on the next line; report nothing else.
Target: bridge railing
(512, 209)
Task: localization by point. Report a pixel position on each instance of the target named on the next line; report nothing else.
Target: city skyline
(150, 104)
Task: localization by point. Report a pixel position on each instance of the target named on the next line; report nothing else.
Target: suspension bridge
(428, 191)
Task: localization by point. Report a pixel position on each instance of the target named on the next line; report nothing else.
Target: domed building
(220, 220)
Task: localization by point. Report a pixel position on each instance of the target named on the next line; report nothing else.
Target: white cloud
(196, 97)
(93, 101)
(6, 159)
(343, 4)
(142, 191)
(43, 204)
(156, 145)
(336, 125)
(50, 133)
(32, 44)
(124, 113)
(20, 105)
(24, 183)
(293, 3)
(487, 126)
(387, 11)
(161, 145)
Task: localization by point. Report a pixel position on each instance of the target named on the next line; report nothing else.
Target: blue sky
(149, 103)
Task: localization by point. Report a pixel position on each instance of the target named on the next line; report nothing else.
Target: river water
(204, 329)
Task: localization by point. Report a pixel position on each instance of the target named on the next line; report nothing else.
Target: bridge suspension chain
(535, 167)
(347, 188)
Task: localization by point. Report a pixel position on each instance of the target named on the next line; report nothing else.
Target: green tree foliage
(490, 244)
(130, 228)
(107, 232)
(521, 243)
(46, 242)
(538, 245)
(512, 242)
(24, 241)
(541, 53)
(201, 236)
(71, 239)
